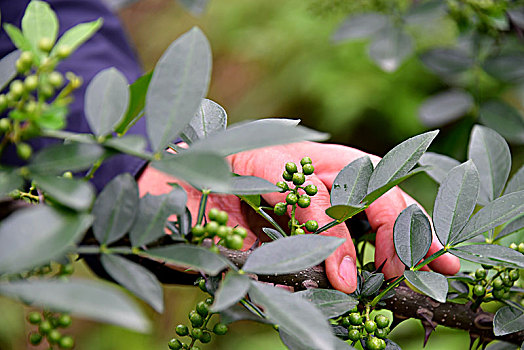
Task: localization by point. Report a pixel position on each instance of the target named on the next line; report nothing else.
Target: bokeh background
(275, 58)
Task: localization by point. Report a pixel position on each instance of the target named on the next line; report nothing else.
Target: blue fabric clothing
(109, 47)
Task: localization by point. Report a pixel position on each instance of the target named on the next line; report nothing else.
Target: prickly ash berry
(291, 167)
(54, 336)
(299, 231)
(196, 319)
(220, 329)
(311, 225)
(234, 242)
(370, 326)
(283, 186)
(240, 231)
(479, 290)
(212, 228)
(174, 344)
(35, 338)
(34, 318)
(45, 327)
(287, 176)
(480, 274)
(205, 338)
(212, 214)
(381, 333)
(64, 321)
(298, 179)
(355, 319)
(182, 330)
(291, 198)
(66, 342)
(280, 208)
(354, 334)
(381, 321)
(308, 169)
(311, 189)
(202, 309)
(196, 333)
(497, 283)
(222, 217)
(305, 160)
(222, 232)
(202, 284)
(514, 275)
(304, 201)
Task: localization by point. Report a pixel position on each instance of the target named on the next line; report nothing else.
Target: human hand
(328, 160)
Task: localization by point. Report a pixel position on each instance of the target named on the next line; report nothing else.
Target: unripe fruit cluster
(294, 198)
(230, 237)
(373, 331)
(199, 318)
(503, 282)
(47, 328)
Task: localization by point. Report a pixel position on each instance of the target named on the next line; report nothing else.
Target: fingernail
(348, 271)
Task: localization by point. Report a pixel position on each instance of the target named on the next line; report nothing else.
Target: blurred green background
(274, 58)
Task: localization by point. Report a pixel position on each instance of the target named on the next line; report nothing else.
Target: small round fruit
(35, 338)
(308, 169)
(355, 319)
(480, 274)
(205, 338)
(182, 330)
(63, 51)
(479, 290)
(66, 342)
(299, 231)
(381, 321)
(202, 309)
(304, 201)
(34, 317)
(47, 90)
(291, 167)
(311, 225)
(45, 327)
(212, 214)
(26, 58)
(223, 232)
(507, 280)
(298, 179)
(287, 176)
(291, 198)
(240, 231)
(280, 208)
(514, 275)
(283, 186)
(514, 246)
(498, 293)
(67, 269)
(56, 79)
(305, 160)
(373, 343)
(345, 322)
(202, 284)
(67, 175)
(196, 333)
(31, 82)
(381, 333)
(220, 329)
(222, 217)
(24, 150)
(370, 326)
(354, 334)
(196, 319)
(198, 230)
(212, 228)
(54, 336)
(45, 44)
(311, 189)
(214, 249)
(64, 321)
(174, 344)
(209, 301)
(497, 283)
(16, 88)
(234, 242)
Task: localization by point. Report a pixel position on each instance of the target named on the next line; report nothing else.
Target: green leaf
(153, 212)
(331, 302)
(517, 16)
(504, 119)
(425, 11)
(430, 283)
(390, 47)
(252, 200)
(291, 254)
(373, 196)
(400, 160)
(507, 68)
(512, 227)
(39, 22)
(115, 209)
(179, 83)
(250, 185)
(343, 212)
(76, 194)
(516, 183)
(130, 144)
(203, 170)
(412, 235)
(77, 35)
(508, 320)
(135, 278)
(17, 37)
(445, 107)
(272, 233)
(456, 200)
(490, 254)
(196, 7)
(351, 183)
(59, 158)
(189, 255)
(106, 100)
(233, 288)
(447, 61)
(7, 68)
(9, 180)
(255, 134)
(137, 101)
(53, 117)
(437, 165)
(295, 316)
(87, 299)
(360, 26)
(209, 119)
(492, 215)
(33, 236)
(490, 153)
(372, 284)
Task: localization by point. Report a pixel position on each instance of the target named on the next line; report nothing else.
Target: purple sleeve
(109, 47)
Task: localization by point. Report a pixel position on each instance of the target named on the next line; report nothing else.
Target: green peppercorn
(308, 169)
(479, 290)
(46, 90)
(304, 201)
(381, 321)
(26, 59)
(234, 242)
(497, 283)
(480, 274)
(287, 176)
(214, 249)
(223, 232)
(291, 198)
(202, 309)
(66, 342)
(514, 275)
(45, 327)
(381, 333)
(205, 338)
(222, 217)
(311, 225)
(198, 230)
(305, 160)
(240, 231)
(53, 336)
(35, 338)
(196, 333)
(212, 214)
(506, 279)
(174, 344)
(291, 167)
(220, 329)
(498, 293)
(311, 189)
(16, 88)
(280, 208)
(212, 228)
(56, 79)
(182, 330)
(209, 301)
(31, 82)
(283, 186)
(63, 51)
(299, 231)
(370, 326)
(202, 284)
(345, 322)
(354, 334)
(196, 319)
(34, 317)
(45, 44)
(373, 343)
(298, 179)
(355, 319)
(64, 321)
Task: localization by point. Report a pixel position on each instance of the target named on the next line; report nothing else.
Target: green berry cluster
(27, 99)
(199, 318)
(503, 282)
(498, 286)
(48, 324)
(230, 237)
(298, 195)
(373, 331)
